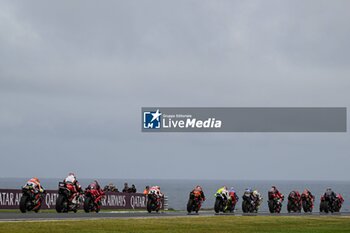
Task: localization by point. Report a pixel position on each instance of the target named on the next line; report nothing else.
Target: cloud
(74, 76)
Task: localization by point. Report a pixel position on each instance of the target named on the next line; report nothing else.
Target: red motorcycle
(92, 200)
(194, 202)
(294, 202)
(154, 201)
(338, 203)
(307, 202)
(275, 202)
(231, 202)
(68, 198)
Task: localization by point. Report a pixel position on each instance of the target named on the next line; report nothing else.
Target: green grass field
(182, 224)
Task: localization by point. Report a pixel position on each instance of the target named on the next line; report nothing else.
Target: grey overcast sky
(75, 74)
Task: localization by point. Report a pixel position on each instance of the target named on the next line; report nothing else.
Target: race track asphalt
(17, 216)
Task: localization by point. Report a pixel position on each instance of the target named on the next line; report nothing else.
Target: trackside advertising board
(10, 198)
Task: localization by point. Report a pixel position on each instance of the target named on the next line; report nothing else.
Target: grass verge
(188, 224)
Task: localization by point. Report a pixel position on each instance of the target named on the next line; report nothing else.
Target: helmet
(225, 193)
(36, 179)
(198, 188)
(71, 174)
(248, 190)
(255, 193)
(232, 190)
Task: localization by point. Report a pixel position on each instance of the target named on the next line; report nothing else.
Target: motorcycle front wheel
(217, 206)
(149, 206)
(87, 204)
(245, 207)
(189, 206)
(61, 204)
(23, 203)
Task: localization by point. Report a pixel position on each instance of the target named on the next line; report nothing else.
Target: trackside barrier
(10, 198)
(165, 204)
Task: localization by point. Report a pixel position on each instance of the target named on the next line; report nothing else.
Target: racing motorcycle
(194, 202)
(329, 205)
(231, 202)
(294, 202)
(154, 202)
(338, 203)
(249, 205)
(307, 203)
(221, 202)
(30, 201)
(92, 200)
(231, 205)
(275, 203)
(67, 199)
